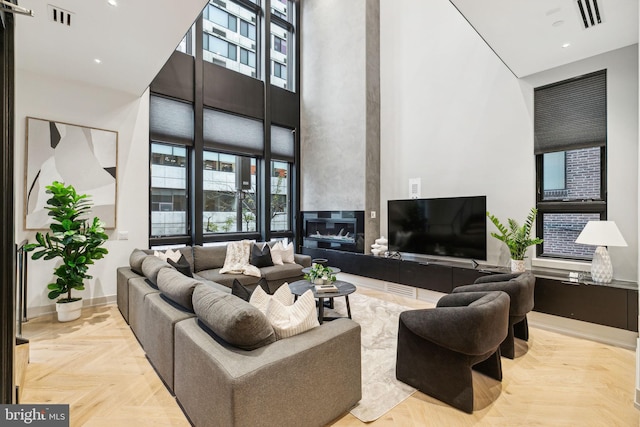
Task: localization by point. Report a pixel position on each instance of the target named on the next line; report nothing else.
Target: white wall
(70, 102)
(453, 115)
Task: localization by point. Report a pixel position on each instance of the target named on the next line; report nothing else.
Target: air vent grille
(60, 16)
(589, 12)
(402, 290)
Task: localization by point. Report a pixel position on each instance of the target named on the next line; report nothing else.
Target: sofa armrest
(230, 385)
(303, 260)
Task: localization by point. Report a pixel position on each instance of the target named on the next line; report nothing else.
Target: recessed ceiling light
(566, 45)
(558, 23)
(97, 61)
(113, 3)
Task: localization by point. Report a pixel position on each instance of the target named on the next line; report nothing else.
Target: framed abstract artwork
(76, 155)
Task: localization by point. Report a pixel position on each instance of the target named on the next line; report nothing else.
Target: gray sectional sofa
(214, 351)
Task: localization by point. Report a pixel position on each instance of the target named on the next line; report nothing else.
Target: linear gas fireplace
(340, 230)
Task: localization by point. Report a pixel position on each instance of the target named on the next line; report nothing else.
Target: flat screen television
(448, 227)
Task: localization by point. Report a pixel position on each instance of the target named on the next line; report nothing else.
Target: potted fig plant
(516, 237)
(319, 274)
(75, 240)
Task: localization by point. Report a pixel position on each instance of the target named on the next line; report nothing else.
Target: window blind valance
(170, 120)
(571, 115)
(231, 133)
(282, 143)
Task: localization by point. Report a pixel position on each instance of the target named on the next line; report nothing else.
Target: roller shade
(282, 143)
(571, 115)
(170, 120)
(231, 133)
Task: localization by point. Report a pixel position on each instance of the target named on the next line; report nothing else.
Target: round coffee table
(344, 290)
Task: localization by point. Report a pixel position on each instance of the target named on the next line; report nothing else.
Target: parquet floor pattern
(97, 366)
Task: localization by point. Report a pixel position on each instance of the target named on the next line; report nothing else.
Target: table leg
(320, 310)
(346, 297)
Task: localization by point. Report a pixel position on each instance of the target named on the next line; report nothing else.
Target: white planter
(68, 311)
(517, 266)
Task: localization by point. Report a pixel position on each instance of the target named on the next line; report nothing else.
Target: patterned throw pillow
(260, 299)
(290, 320)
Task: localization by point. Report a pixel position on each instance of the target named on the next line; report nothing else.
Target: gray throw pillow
(232, 319)
(182, 266)
(261, 257)
(243, 292)
(177, 287)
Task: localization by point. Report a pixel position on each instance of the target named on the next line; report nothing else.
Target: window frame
(595, 206)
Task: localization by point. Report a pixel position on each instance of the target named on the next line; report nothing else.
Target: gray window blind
(571, 115)
(170, 121)
(282, 143)
(231, 133)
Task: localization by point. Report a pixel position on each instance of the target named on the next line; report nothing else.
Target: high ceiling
(132, 40)
(528, 35)
(135, 38)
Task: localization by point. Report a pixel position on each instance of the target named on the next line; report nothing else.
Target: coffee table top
(301, 286)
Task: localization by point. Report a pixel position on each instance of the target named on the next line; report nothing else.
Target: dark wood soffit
(231, 91)
(171, 80)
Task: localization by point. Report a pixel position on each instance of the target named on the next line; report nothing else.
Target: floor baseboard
(51, 308)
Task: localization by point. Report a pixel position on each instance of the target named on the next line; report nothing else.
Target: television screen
(451, 227)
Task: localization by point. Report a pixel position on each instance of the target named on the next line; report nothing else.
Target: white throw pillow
(260, 299)
(287, 254)
(290, 320)
(276, 253)
(168, 254)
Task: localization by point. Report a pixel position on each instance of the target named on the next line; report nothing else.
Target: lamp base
(601, 268)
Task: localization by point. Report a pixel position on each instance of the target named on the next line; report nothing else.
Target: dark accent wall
(7, 239)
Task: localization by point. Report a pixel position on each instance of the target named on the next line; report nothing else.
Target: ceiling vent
(590, 13)
(60, 16)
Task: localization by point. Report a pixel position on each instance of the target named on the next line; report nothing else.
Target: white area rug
(379, 322)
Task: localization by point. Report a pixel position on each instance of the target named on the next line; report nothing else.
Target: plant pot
(517, 266)
(68, 311)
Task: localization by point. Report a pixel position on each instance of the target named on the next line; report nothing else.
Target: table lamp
(601, 234)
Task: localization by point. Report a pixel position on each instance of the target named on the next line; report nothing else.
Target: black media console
(614, 304)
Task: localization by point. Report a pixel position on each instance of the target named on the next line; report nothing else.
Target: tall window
(280, 196)
(229, 193)
(168, 190)
(281, 51)
(228, 26)
(570, 147)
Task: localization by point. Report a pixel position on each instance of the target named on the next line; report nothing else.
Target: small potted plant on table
(319, 275)
(516, 238)
(75, 240)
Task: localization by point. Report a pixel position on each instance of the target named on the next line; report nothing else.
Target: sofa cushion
(284, 271)
(261, 256)
(294, 319)
(151, 265)
(232, 319)
(209, 257)
(177, 287)
(260, 299)
(244, 292)
(135, 260)
(181, 265)
(227, 279)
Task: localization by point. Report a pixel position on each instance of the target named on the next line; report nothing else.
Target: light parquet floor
(97, 366)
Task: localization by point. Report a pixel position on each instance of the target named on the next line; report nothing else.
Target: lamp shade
(601, 233)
